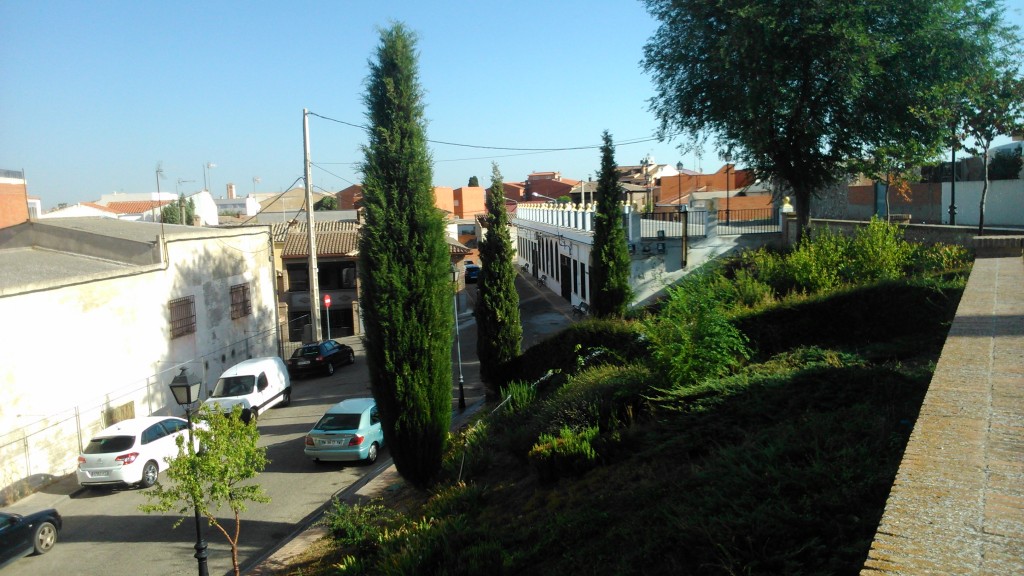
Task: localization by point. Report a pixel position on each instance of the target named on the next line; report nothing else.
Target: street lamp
(679, 180)
(186, 392)
(728, 158)
(458, 339)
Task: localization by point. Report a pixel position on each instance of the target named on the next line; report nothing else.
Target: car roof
(133, 426)
(351, 406)
(251, 366)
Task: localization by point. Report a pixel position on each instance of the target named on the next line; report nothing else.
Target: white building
(100, 314)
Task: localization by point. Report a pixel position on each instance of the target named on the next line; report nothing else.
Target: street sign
(327, 300)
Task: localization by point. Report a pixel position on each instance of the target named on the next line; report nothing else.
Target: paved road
(105, 534)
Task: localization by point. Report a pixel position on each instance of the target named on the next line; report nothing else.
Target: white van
(256, 384)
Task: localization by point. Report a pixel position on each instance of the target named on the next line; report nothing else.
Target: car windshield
(331, 422)
(109, 444)
(234, 386)
(307, 352)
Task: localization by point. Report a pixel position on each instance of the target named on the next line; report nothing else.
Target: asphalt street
(105, 533)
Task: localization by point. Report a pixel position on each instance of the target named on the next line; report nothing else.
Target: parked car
(34, 533)
(257, 384)
(349, 431)
(320, 357)
(472, 271)
(131, 452)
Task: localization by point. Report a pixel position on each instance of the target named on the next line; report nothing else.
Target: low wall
(924, 233)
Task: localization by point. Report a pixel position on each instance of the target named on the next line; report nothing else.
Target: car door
(330, 352)
(174, 429)
(154, 444)
(14, 538)
(375, 426)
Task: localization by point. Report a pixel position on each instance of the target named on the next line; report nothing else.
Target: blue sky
(96, 94)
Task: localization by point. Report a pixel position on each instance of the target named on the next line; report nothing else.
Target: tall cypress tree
(610, 292)
(499, 332)
(404, 266)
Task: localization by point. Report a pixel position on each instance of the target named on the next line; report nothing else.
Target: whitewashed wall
(75, 351)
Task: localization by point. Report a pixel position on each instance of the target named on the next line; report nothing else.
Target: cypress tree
(609, 262)
(473, 181)
(404, 266)
(499, 332)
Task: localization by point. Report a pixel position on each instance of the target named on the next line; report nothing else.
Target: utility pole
(314, 282)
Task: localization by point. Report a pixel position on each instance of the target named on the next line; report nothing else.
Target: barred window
(183, 316)
(240, 303)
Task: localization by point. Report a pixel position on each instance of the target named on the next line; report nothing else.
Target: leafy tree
(404, 266)
(995, 107)
(499, 332)
(172, 213)
(326, 203)
(1006, 165)
(215, 476)
(797, 89)
(473, 181)
(610, 292)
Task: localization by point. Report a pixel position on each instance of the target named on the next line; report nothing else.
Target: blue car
(472, 271)
(34, 533)
(349, 431)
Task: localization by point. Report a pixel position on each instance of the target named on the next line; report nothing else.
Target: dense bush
(692, 338)
(620, 340)
(569, 453)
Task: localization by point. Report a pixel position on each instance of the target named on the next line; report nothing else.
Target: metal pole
(952, 189)
(328, 322)
(314, 283)
(458, 347)
(200, 546)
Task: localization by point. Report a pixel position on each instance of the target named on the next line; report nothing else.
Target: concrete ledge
(957, 503)
(999, 246)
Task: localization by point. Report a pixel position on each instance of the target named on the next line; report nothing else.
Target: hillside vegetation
(751, 423)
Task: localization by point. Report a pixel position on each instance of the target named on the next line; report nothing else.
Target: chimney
(231, 191)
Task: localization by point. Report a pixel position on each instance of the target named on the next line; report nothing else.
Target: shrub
(819, 263)
(518, 396)
(560, 352)
(878, 252)
(361, 526)
(570, 453)
(692, 339)
(939, 258)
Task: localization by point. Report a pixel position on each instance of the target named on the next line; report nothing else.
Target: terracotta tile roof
(334, 243)
(456, 247)
(98, 207)
(136, 206)
(282, 229)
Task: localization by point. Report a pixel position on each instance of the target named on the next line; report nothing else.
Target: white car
(256, 384)
(131, 452)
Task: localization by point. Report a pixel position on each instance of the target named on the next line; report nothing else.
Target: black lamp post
(458, 339)
(728, 158)
(185, 393)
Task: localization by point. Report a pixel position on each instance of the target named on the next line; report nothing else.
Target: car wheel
(286, 397)
(330, 368)
(371, 455)
(351, 357)
(254, 415)
(44, 538)
(149, 474)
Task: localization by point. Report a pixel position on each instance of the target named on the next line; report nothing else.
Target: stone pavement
(957, 506)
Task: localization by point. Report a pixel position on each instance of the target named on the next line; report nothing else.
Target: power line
(507, 148)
